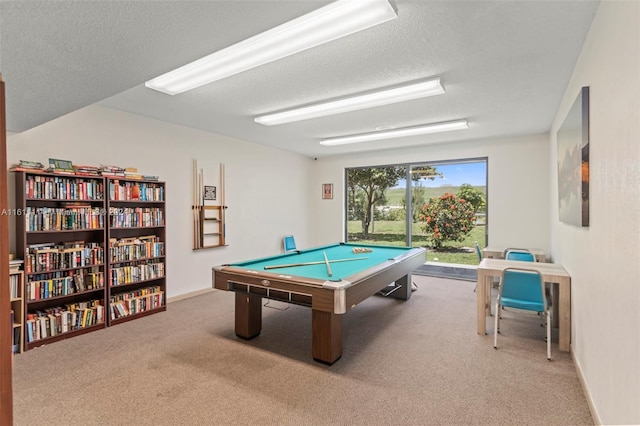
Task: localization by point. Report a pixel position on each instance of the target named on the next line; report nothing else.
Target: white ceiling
(504, 64)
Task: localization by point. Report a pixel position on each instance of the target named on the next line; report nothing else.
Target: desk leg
(481, 302)
(326, 330)
(565, 316)
(555, 299)
(248, 315)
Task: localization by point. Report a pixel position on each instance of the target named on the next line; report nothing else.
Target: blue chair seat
(522, 304)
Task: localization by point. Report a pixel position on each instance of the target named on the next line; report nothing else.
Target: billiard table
(331, 279)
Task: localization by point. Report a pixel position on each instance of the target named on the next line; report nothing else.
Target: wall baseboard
(189, 295)
(585, 389)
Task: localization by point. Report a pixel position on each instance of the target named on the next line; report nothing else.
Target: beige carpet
(416, 363)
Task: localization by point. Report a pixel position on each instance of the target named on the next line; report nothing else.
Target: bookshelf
(61, 236)
(136, 249)
(16, 286)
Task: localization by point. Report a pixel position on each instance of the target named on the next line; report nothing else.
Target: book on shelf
(26, 169)
(112, 171)
(63, 167)
(28, 166)
(82, 170)
(15, 264)
(132, 173)
(16, 340)
(31, 164)
(79, 282)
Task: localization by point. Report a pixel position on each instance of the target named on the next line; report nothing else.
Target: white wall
(265, 187)
(604, 259)
(518, 186)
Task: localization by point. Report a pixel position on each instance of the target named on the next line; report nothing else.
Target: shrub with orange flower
(447, 218)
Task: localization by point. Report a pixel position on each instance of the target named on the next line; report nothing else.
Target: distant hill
(395, 196)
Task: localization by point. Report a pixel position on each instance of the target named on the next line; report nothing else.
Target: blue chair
(289, 243)
(479, 253)
(519, 254)
(522, 288)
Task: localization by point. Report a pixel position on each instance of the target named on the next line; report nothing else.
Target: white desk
(551, 273)
(496, 253)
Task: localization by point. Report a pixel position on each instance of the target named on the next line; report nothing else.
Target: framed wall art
(327, 191)
(573, 163)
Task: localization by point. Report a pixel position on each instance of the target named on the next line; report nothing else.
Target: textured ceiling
(504, 65)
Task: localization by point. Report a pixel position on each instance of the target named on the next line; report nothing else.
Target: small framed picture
(327, 191)
(209, 192)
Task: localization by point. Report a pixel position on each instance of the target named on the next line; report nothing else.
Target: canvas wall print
(573, 163)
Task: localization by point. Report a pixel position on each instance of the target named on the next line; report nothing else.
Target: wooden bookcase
(136, 249)
(61, 237)
(94, 253)
(16, 297)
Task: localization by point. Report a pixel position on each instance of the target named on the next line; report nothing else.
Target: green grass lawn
(392, 233)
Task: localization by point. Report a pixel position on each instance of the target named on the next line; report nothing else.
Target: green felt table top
(340, 270)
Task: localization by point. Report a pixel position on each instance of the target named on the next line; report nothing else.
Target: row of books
(66, 167)
(63, 218)
(128, 217)
(140, 250)
(14, 287)
(63, 188)
(41, 289)
(47, 257)
(63, 319)
(136, 273)
(15, 348)
(135, 191)
(131, 303)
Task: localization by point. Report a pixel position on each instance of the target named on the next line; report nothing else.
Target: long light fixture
(354, 103)
(338, 19)
(397, 133)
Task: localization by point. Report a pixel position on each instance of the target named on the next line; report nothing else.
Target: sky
(457, 174)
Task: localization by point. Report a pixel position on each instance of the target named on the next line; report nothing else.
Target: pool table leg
(404, 292)
(248, 315)
(326, 341)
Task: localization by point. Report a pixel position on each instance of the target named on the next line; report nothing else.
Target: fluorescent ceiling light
(354, 103)
(328, 23)
(397, 133)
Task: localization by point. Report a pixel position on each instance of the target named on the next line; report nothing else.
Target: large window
(440, 206)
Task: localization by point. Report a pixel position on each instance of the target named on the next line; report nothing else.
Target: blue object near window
(523, 256)
(289, 243)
